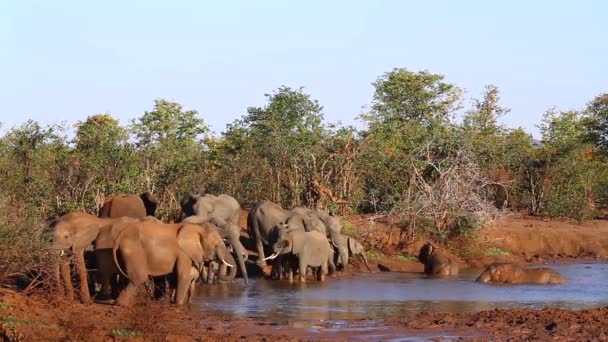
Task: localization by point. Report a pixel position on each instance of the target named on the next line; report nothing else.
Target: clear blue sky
(65, 60)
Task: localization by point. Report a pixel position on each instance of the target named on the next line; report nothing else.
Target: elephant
(332, 230)
(354, 248)
(225, 212)
(262, 225)
(508, 273)
(304, 249)
(129, 205)
(144, 248)
(75, 232)
(436, 262)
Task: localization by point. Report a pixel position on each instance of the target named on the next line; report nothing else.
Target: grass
(473, 251)
(497, 251)
(409, 258)
(125, 332)
(374, 255)
(5, 305)
(347, 227)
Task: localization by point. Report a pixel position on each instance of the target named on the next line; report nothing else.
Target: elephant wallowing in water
(508, 273)
(436, 262)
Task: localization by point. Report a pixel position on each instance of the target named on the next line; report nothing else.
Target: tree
(284, 134)
(409, 109)
(483, 117)
(403, 96)
(597, 122)
(170, 144)
(562, 130)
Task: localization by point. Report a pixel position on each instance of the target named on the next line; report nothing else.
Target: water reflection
(398, 294)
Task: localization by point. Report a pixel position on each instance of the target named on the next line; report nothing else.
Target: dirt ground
(515, 238)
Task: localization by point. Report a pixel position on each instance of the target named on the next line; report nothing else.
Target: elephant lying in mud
(301, 250)
(225, 212)
(436, 262)
(508, 273)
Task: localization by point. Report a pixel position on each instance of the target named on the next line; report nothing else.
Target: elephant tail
(115, 247)
(365, 262)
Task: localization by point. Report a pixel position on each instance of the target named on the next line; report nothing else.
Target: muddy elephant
(302, 250)
(436, 262)
(225, 212)
(508, 273)
(145, 248)
(333, 227)
(72, 234)
(354, 249)
(129, 205)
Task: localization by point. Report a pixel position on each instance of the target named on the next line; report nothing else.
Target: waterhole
(390, 294)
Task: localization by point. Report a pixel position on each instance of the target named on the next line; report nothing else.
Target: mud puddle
(358, 304)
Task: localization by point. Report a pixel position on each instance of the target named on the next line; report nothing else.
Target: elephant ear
(189, 241)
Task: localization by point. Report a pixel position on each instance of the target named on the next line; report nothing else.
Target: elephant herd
(126, 245)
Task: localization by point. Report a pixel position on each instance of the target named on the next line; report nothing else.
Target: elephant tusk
(227, 264)
(62, 253)
(274, 255)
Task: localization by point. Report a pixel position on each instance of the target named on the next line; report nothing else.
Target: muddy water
(381, 295)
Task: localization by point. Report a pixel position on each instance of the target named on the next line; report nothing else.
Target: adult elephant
(225, 212)
(72, 234)
(129, 205)
(263, 225)
(144, 248)
(332, 230)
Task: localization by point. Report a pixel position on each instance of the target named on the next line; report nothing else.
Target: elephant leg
(195, 274)
(66, 277)
(184, 279)
(137, 271)
(85, 295)
(303, 268)
(260, 246)
(59, 288)
(343, 250)
(204, 273)
(332, 266)
(322, 271)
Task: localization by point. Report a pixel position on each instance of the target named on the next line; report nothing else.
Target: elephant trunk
(240, 257)
(239, 250)
(227, 258)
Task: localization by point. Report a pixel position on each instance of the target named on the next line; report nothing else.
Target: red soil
(525, 239)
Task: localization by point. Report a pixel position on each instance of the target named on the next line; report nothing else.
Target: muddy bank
(515, 238)
(28, 319)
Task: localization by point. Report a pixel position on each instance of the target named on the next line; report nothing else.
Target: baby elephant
(354, 248)
(507, 273)
(302, 250)
(436, 262)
